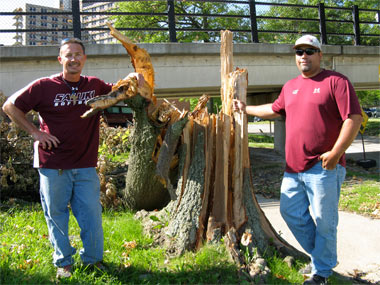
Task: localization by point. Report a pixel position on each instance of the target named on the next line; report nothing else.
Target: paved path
(358, 240)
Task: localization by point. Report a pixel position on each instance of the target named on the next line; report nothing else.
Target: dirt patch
(268, 167)
(267, 171)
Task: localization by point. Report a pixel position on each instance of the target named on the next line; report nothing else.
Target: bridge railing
(262, 22)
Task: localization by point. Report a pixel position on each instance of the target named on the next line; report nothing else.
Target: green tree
(307, 21)
(369, 98)
(272, 17)
(190, 19)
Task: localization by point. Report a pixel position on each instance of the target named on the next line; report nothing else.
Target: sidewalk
(358, 240)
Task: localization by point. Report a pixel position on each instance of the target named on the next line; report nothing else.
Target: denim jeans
(80, 188)
(317, 233)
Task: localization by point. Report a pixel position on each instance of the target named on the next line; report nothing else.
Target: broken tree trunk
(214, 196)
(215, 192)
(145, 187)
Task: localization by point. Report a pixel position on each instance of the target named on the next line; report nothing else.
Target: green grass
(363, 198)
(360, 192)
(130, 257)
(25, 254)
(261, 141)
(373, 127)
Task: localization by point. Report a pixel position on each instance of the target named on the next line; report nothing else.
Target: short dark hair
(73, 41)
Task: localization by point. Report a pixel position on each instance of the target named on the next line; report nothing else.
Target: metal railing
(257, 28)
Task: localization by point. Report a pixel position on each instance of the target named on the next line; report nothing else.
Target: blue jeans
(317, 233)
(81, 189)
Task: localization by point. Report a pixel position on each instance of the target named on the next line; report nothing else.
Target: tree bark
(143, 189)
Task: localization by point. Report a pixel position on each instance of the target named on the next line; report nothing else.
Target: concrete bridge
(192, 69)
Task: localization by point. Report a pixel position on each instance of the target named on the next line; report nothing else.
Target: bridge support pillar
(279, 135)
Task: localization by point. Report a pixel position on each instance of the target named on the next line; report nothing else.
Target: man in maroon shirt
(322, 118)
(66, 149)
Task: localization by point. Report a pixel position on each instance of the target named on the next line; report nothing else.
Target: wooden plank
(217, 217)
(226, 67)
(238, 82)
(227, 167)
(210, 124)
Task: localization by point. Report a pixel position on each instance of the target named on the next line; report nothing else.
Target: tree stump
(214, 195)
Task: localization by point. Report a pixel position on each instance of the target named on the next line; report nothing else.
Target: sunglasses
(73, 40)
(308, 51)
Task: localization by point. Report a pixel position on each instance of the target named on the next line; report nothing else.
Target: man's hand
(45, 140)
(239, 106)
(347, 135)
(329, 160)
(139, 77)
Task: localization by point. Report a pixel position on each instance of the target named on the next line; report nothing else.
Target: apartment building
(98, 21)
(50, 21)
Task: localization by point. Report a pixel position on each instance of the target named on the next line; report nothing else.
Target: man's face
(309, 65)
(72, 58)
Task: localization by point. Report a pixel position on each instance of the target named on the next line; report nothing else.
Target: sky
(6, 22)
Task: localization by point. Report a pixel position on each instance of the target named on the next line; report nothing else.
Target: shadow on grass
(115, 274)
(19, 276)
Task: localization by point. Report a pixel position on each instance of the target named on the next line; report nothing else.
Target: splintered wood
(220, 204)
(231, 148)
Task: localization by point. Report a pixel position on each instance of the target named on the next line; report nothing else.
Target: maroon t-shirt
(315, 109)
(60, 113)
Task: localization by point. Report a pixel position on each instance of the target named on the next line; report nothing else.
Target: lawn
(130, 257)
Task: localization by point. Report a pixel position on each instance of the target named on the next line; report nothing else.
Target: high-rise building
(48, 21)
(18, 24)
(51, 21)
(98, 21)
(65, 4)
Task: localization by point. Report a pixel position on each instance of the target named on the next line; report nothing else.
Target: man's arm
(17, 116)
(263, 111)
(348, 133)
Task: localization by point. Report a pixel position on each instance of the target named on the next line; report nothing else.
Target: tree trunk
(215, 193)
(143, 189)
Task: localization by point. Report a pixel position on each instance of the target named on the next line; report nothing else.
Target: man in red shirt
(322, 118)
(66, 150)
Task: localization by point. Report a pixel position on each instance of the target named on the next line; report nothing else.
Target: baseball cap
(308, 40)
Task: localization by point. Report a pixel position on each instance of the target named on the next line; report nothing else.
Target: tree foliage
(188, 20)
(304, 18)
(369, 98)
(276, 23)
